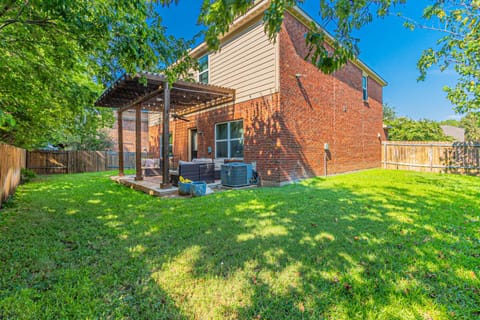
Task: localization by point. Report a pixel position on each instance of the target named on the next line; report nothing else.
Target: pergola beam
(138, 143)
(142, 99)
(166, 137)
(121, 169)
(128, 91)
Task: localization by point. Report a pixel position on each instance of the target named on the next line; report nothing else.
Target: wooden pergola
(152, 92)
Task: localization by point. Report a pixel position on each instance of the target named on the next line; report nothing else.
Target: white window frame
(229, 139)
(365, 87)
(206, 70)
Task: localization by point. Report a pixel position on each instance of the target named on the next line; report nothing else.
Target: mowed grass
(369, 245)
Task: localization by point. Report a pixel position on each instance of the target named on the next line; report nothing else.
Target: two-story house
(293, 120)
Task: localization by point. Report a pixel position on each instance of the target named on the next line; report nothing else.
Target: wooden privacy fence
(51, 162)
(456, 157)
(12, 160)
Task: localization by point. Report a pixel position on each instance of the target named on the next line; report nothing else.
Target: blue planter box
(184, 188)
(198, 189)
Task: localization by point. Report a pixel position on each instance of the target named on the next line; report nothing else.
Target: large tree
(56, 56)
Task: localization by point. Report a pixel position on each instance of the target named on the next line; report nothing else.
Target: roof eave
(298, 13)
(251, 15)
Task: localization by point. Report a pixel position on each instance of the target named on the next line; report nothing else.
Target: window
(365, 87)
(170, 145)
(203, 71)
(229, 139)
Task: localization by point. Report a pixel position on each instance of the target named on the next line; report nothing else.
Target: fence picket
(445, 157)
(51, 162)
(12, 160)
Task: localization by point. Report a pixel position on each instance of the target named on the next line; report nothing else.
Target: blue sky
(385, 45)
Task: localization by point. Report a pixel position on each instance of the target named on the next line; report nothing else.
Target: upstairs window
(203, 71)
(229, 139)
(365, 87)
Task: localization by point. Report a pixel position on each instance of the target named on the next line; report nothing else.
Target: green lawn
(369, 245)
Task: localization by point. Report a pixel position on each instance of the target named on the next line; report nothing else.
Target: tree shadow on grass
(309, 250)
(328, 252)
(63, 257)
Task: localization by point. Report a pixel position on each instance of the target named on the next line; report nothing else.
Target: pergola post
(166, 137)
(138, 143)
(120, 143)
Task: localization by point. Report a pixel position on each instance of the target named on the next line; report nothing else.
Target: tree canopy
(458, 48)
(389, 112)
(56, 56)
(471, 124)
(405, 129)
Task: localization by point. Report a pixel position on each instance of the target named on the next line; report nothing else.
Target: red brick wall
(261, 123)
(285, 132)
(320, 108)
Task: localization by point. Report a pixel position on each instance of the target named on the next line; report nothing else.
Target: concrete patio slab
(151, 186)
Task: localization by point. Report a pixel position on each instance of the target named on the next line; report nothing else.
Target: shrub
(27, 175)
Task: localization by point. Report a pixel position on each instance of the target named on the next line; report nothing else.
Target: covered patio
(153, 92)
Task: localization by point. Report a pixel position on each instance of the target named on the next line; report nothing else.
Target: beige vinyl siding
(246, 63)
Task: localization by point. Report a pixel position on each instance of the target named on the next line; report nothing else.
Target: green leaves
(273, 16)
(405, 129)
(55, 57)
(7, 122)
(389, 113)
(217, 16)
(330, 54)
(471, 123)
(457, 22)
(457, 49)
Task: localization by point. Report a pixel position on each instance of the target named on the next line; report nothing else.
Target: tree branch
(42, 22)
(422, 26)
(16, 18)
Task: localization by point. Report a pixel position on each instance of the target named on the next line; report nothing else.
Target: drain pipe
(325, 148)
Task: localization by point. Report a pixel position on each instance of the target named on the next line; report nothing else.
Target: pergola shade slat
(128, 91)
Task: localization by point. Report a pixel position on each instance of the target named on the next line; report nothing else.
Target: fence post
(477, 148)
(431, 157)
(46, 164)
(104, 162)
(385, 154)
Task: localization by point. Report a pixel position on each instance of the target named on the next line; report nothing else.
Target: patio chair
(202, 171)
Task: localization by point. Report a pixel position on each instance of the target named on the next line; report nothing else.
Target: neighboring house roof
(455, 132)
(299, 14)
